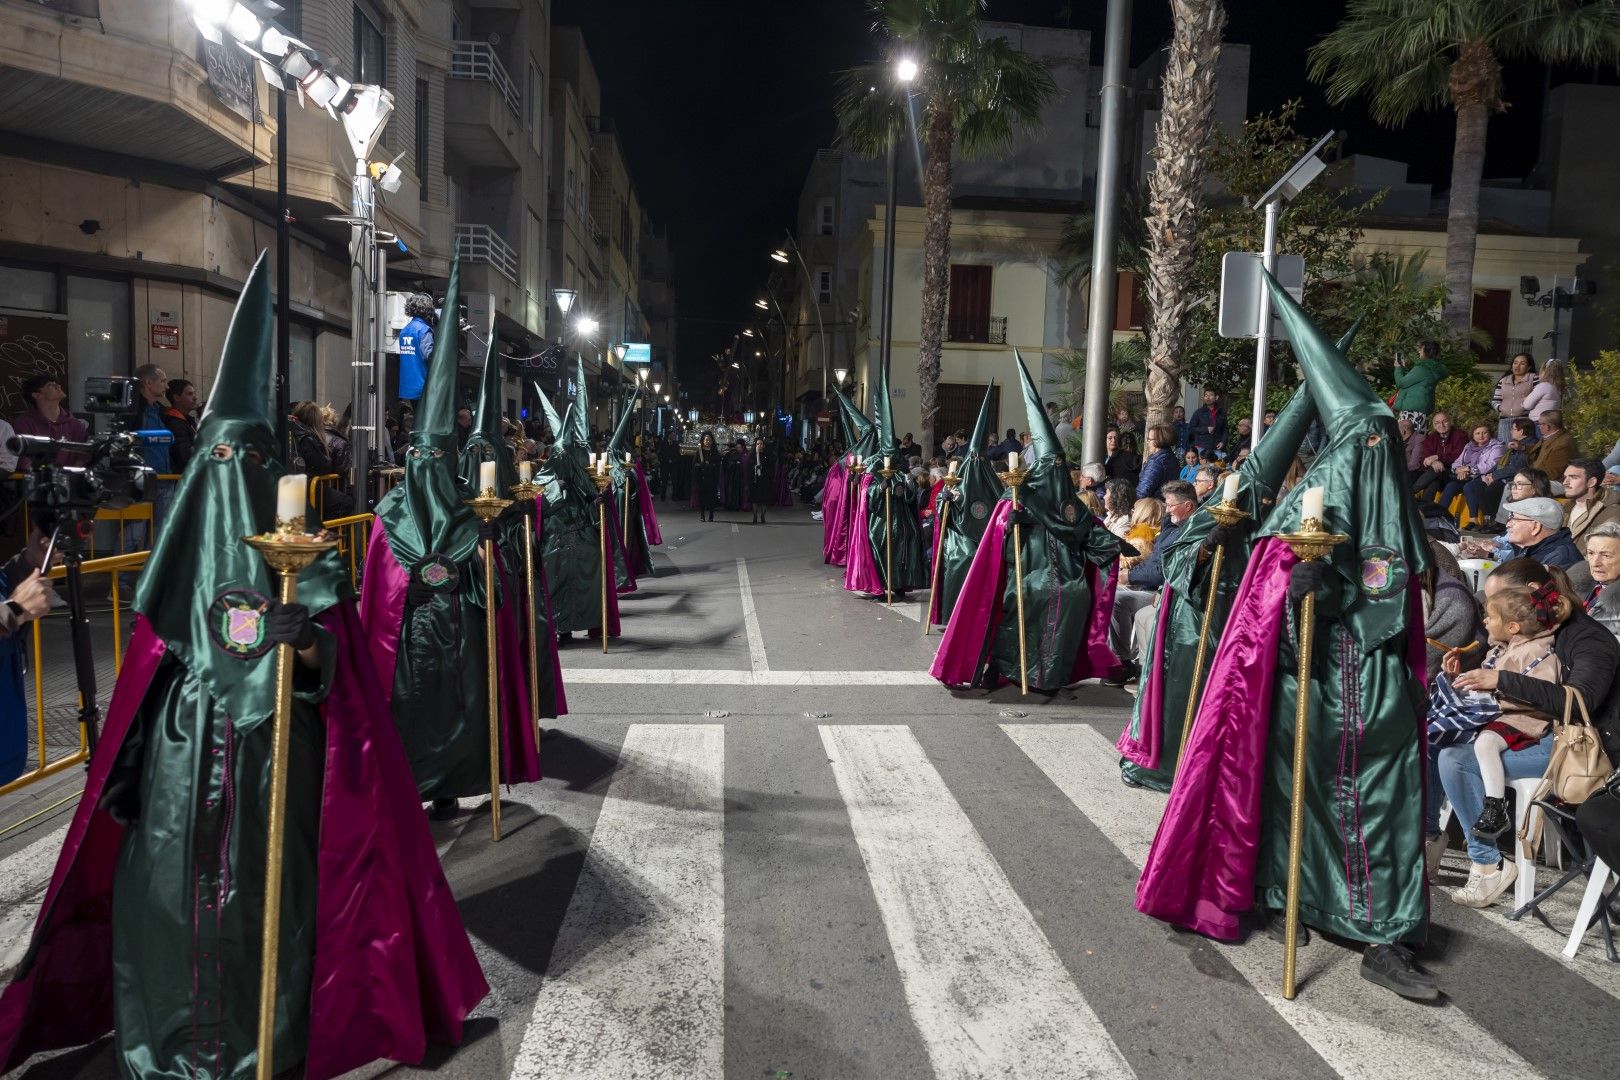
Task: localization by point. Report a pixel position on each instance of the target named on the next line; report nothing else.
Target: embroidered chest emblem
(437, 573)
(236, 623)
(1383, 571)
(1071, 513)
(979, 511)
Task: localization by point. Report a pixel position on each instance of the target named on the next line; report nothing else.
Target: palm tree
(1176, 193)
(1075, 236)
(1406, 55)
(975, 93)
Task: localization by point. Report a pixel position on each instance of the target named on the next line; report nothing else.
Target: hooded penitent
(1221, 848)
(152, 922)
(423, 606)
(644, 531)
(1070, 567)
(571, 538)
(885, 536)
(970, 505)
(838, 502)
(1150, 743)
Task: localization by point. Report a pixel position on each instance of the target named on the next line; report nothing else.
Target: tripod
(84, 665)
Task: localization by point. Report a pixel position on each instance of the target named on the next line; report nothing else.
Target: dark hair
(1119, 497)
(1180, 489)
(1428, 349)
(1525, 572)
(1528, 359)
(1538, 482)
(175, 388)
(1012, 433)
(1524, 424)
(32, 386)
(419, 306)
(1592, 467)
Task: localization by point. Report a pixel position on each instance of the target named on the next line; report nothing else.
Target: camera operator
(28, 596)
(415, 347)
(48, 419)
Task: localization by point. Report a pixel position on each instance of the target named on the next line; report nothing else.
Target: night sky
(721, 105)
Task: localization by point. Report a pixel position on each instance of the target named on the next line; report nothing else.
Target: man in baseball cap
(1535, 528)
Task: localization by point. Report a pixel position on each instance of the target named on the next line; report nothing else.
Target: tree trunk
(1176, 193)
(938, 140)
(1475, 90)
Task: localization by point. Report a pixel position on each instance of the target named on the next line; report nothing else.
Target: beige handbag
(1578, 766)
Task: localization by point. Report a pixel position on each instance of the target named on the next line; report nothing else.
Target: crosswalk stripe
(1362, 1032)
(988, 993)
(24, 875)
(629, 676)
(636, 981)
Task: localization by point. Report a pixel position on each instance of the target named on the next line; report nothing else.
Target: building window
(824, 217)
(824, 285)
(422, 138)
(98, 325)
(370, 48)
(533, 249)
(1490, 317)
(28, 289)
(301, 364)
(968, 318)
(1130, 303)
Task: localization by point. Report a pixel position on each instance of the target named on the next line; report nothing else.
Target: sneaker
(1434, 850)
(1394, 968)
(1493, 819)
(1484, 886)
(444, 809)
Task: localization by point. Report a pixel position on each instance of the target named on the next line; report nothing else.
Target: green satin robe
(910, 565)
(571, 551)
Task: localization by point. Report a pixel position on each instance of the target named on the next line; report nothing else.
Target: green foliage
(1128, 365)
(1592, 407)
(1466, 398)
(1398, 308)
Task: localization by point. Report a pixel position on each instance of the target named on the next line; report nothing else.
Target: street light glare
(586, 326)
(779, 255)
(840, 374)
(761, 304)
(906, 69)
(748, 331)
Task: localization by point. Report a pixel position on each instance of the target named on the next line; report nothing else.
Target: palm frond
(1003, 91)
(871, 111)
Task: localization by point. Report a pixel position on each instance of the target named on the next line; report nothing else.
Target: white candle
(525, 471)
(1012, 462)
(1311, 508)
(886, 462)
(954, 464)
(486, 476)
(593, 461)
(627, 457)
(290, 504)
(1230, 494)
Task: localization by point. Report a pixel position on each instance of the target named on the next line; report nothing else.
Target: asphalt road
(767, 845)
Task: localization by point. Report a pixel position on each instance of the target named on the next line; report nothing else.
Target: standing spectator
(415, 347)
(153, 385)
(1208, 424)
(1160, 466)
(1553, 452)
(48, 419)
(464, 423)
(1477, 458)
(1442, 446)
(1122, 462)
(1584, 508)
(1008, 446)
(1414, 386)
(1027, 454)
(1093, 477)
(1511, 390)
(1124, 422)
(1243, 441)
(179, 418)
(1183, 430)
(1548, 393)
(337, 442)
(1603, 560)
(908, 448)
(1117, 506)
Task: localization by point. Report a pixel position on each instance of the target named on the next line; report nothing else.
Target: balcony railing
(977, 329)
(482, 244)
(477, 60)
(594, 231)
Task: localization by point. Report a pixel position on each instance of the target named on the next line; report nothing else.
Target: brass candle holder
(1312, 543)
(489, 506)
(952, 481)
(1225, 514)
(603, 482)
(1015, 480)
(526, 494)
(287, 551)
(888, 537)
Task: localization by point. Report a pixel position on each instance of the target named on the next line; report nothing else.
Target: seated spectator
(1093, 477)
(1132, 621)
(1451, 616)
(1146, 517)
(1603, 563)
(1205, 481)
(1412, 440)
(1242, 440)
(1122, 461)
(1089, 500)
(1442, 446)
(1160, 466)
(1189, 467)
(307, 430)
(1584, 506)
(1589, 662)
(1118, 502)
(1535, 529)
(1008, 446)
(1484, 493)
(1556, 447)
(1479, 457)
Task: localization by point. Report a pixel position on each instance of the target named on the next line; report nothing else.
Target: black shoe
(1393, 968)
(1493, 819)
(444, 809)
(1275, 927)
(1127, 672)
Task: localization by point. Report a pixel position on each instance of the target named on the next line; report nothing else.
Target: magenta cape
(616, 543)
(860, 571)
(649, 516)
(1145, 748)
(973, 622)
(832, 514)
(393, 967)
(382, 612)
(548, 653)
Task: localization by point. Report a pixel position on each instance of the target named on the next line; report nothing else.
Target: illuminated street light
(761, 304)
(564, 299)
(840, 374)
(586, 326)
(905, 69)
(780, 256)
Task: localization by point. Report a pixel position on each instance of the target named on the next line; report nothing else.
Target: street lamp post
(1104, 284)
(781, 255)
(905, 72)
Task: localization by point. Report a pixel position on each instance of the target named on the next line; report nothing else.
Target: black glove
(1129, 550)
(486, 530)
(1021, 516)
(289, 624)
(417, 593)
(1306, 578)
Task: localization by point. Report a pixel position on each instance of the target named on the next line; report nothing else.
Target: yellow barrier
(45, 766)
(353, 533)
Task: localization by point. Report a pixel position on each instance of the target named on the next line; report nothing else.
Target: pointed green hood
(425, 514)
(552, 420)
(615, 446)
(579, 437)
(981, 426)
(1342, 396)
(202, 585)
(486, 443)
(886, 445)
(1041, 434)
(980, 487)
(863, 432)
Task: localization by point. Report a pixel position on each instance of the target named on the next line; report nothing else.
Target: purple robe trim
(1145, 750)
(832, 512)
(649, 516)
(861, 572)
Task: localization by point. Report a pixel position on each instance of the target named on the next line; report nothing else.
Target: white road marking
(734, 528)
(988, 993)
(733, 677)
(756, 640)
(24, 876)
(1361, 1031)
(636, 982)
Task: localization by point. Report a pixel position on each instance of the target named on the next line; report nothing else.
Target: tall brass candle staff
(856, 467)
(526, 493)
(287, 551)
(951, 481)
(603, 482)
(888, 535)
(1226, 513)
(625, 524)
(1312, 543)
(489, 506)
(1015, 480)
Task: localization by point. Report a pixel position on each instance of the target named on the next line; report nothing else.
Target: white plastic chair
(1524, 886)
(1595, 885)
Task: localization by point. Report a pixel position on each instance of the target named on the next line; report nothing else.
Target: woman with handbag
(1589, 662)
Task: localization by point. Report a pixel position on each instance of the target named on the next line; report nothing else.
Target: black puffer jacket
(1590, 657)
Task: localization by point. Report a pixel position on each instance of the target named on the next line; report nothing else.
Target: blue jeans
(1459, 776)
